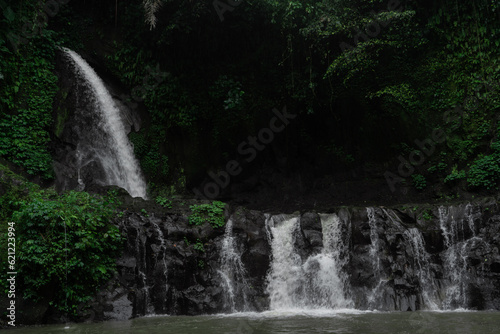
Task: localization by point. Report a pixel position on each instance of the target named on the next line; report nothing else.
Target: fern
(151, 7)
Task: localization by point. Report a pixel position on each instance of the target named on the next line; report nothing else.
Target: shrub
(454, 175)
(212, 213)
(66, 247)
(199, 246)
(419, 181)
(163, 201)
(485, 172)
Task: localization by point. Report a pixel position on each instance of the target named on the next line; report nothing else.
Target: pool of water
(293, 321)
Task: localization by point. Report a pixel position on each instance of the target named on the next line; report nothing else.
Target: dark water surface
(271, 322)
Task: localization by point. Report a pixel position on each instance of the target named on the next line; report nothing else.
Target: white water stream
(115, 153)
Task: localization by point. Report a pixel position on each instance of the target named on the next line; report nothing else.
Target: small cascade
(151, 270)
(232, 272)
(329, 286)
(374, 247)
(364, 258)
(457, 226)
(423, 268)
(106, 139)
(319, 282)
(285, 279)
(421, 262)
(81, 184)
(142, 281)
(163, 266)
(377, 291)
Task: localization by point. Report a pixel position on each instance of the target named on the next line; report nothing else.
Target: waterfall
(376, 294)
(423, 268)
(329, 286)
(374, 246)
(163, 248)
(377, 291)
(232, 272)
(142, 282)
(457, 224)
(109, 144)
(319, 282)
(285, 277)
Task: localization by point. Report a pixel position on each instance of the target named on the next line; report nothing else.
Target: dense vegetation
(368, 77)
(407, 88)
(66, 246)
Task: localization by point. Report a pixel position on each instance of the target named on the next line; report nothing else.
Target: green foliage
(355, 87)
(201, 264)
(163, 201)
(441, 166)
(485, 172)
(26, 97)
(212, 213)
(426, 215)
(455, 175)
(228, 90)
(462, 148)
(147, 150)
(338, 152)
(199, 246)
(27, 87)
(66, 247)
(419, 181)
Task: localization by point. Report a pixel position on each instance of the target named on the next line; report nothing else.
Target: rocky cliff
(405, 258)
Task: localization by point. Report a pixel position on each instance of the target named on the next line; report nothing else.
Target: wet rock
(310, 221)
(162, 271)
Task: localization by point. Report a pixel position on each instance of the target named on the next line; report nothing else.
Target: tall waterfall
(109, 144)
(319, 282)
(232, 272)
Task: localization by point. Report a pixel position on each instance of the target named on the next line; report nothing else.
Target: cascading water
(164, 270)
(314, 264)
(107, 141)
(419, 267)
(232, 272)
(140, 250)
(376, 292)
(329, 287)
(457, 225)
(423, 268)
(317, 283)
(285, 277)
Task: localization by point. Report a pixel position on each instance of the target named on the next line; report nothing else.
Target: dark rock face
(399, 259)
(163, 270)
